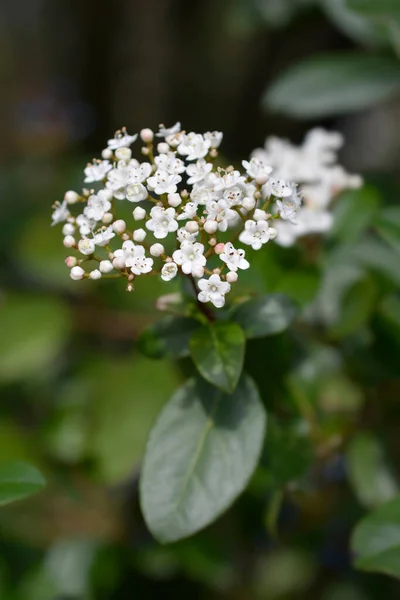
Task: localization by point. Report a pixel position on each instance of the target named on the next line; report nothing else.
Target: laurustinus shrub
(196, 219)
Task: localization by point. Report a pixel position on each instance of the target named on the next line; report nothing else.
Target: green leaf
(388, 226)
(355, 25)
(334, 84)
(168, 337)
(33, 331)
(218, 353)
(267, 315)
(288, 452)
(18, 480)
(376, 540)
(388, 9)
(369, 475)
(200, 456)
(354, 212)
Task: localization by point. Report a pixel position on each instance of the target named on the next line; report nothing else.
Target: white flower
(228, 180)
(201, 194)
(85, 225)
(121, 139)
(169, 271)
(164, 183)
(162, 221)
(167, 131)
(140, 173)
(120, 177)
(278, 188)
(60, 214)
(190, 257)
(257, 168)
(138, 262)
(194, 146)
(183, 235)
(198, 171)
(235, 259)
(136, 192)
(255, 234)
(214, 137)
(77, 273)
(213, 290)
(220, 212)
(86, 246)
(289, 207)
(170, 163)
(127, 251)
(189, 211)
(103, 237)
(97, 171)
(98, 204)
(233, 196)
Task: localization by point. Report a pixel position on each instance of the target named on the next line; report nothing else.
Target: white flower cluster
(313, 165)
(201, 210)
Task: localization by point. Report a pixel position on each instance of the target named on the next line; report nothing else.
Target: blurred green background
(77, 400)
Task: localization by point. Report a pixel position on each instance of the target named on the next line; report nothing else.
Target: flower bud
(248, 203)
(260, 215)
(69, 241)
(139, 213)
(157, 250)
(77, 273)
(272, 233)
(105, 266)
(147, 135)
(129, 287)
(71, 197)
(231, 277)
(192, 226)
(125, 237)
(68, 229)
(71, 261)
(212, 241)
(198, 271)
(86, 246)
(107, 218)
(106, 153)
(210, 226)
(119, 263)
(163, 148)
(219, 248)
(174, 200)
(262, 178)
(123, 153)
(119, 226)
(139, 235)
(95, 274)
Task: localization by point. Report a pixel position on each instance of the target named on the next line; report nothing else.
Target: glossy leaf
(369, 475)
(376, 540)
(267, 315)
(201, 453)
(334, 84)
(168, 337)
(18, 480)
(218, 353)
(389, 9)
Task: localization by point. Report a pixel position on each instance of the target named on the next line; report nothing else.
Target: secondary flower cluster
(313, 165)
(200, 211)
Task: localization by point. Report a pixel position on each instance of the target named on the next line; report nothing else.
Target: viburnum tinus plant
(195, 219)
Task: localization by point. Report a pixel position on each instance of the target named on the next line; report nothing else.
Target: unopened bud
(210, 226)
(107, 218)
(139, 213)
(71, 261)
(119, 226)
(147, 135)
(192, 227)
(105, 266)
(157, 250)
(139, 235)
(219, 248)
(123, 153)
(68, 229)
(260, 215)
(119, 263)
(212, 241)
(69, 241)
(174, 200)
(71, 197)
(198, 271)
(231, 277)
(163, 148)
(77, 273)
(106, 153)
(95, 274)
(248, 203)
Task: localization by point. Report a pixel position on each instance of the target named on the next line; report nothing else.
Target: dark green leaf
(168, 337)
(376, 540)
(388, 226)
(388, 9)
(218, 353)
(354, 212)
(334, 84)
(354, 24)
(18, 480)
(200, 455)
(288, 452)
(369, 475)
(267, 315)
